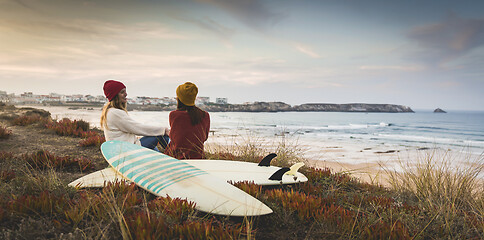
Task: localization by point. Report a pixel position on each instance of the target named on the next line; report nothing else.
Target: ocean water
(318, 132)
(421, 129)
(360, 132)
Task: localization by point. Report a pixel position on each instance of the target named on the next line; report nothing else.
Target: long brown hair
(115, 103)
(195, 113)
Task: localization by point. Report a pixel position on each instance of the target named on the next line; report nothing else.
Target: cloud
(209, 25)
(216, 28)
(252, 13)
(410, 68)
(21, 3)
(449, 84)
(306, 50)
(27, 69)
(448, 40)
(94, 29)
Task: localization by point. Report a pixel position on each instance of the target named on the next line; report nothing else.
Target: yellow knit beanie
(187, 93)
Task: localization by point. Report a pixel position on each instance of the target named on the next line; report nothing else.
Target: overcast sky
(422, 54)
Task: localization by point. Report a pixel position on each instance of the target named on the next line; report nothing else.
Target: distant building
(27, 94)
(90, 98)
(55, 95)
(94, 99)
(31, 98)
(221, 101)
(202, 100)
(26, 98)
(169, 100)
(151, 101)
(101, 99)
(75, 98)
(132, 101)
(4, 97)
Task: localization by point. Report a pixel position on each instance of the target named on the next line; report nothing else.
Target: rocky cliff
(250, 107)
(351, 107)
(438, 110)
(309, 107)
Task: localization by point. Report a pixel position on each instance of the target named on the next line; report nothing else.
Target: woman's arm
(121, 120)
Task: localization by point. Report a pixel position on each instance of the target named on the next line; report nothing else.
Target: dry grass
(251, 148)
(4, 132)
(450, 190)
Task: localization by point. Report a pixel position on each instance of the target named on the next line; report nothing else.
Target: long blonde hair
(115, 103)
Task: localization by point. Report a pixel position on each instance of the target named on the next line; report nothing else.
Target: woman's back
(187, 140)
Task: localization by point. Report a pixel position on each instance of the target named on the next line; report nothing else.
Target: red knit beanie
(112, 88)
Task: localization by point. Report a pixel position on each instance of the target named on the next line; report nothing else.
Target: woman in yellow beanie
(189, 125)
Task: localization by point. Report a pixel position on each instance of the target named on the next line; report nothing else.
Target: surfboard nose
(251, 207)
(262, 210)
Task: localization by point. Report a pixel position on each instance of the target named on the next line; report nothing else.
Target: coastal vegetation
(428, 200)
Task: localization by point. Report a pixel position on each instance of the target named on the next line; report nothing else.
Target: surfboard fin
(266, 161)
(279, 173)
(293, 170)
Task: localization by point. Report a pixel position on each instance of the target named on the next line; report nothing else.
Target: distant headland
(252, 107)
(169, 103)
(284, 107)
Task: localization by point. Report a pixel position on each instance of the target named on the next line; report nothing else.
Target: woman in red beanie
(189, 125)
(118, 125)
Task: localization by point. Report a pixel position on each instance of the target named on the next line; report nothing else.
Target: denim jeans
(151, 141)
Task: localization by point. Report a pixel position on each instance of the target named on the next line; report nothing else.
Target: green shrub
(45, 160)
(25, 120)
(96, 141)
(67, 127)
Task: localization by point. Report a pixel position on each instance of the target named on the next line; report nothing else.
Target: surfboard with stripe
(230, 171)
(163, 175)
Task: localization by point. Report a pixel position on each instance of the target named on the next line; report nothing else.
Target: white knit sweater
(120, 126)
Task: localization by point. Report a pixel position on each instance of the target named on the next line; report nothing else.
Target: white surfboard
(98, 179)
(163, 175)
(230, 171)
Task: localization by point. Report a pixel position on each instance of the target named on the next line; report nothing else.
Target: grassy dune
(40, 156)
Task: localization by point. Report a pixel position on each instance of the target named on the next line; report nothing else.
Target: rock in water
(438, 110)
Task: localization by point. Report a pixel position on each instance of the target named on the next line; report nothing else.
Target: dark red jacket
(186, 140)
